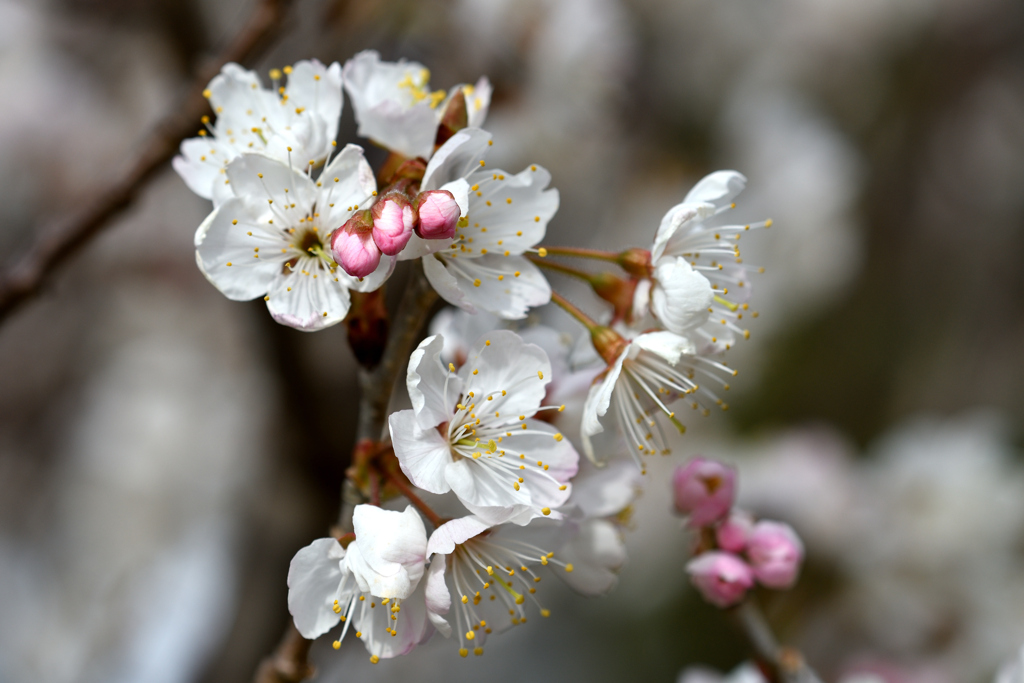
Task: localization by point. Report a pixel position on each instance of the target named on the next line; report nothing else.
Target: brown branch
(68, 236)
(398, 481)
(788, 663)
(288, 663)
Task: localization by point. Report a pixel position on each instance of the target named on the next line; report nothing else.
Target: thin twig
(289, 663)
(399, 483)
(574, 311)
(560, 268)
(787, 662)
(67, 237)
(582, 252)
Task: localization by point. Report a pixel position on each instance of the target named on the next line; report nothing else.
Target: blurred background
(164, 452)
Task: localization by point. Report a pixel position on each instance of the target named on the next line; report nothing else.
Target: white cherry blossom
(296, 124)
(504, 217)
(685, 237)
(395, 107)
(270, 238)
(373, 586)
(475, 432)
(650, 372)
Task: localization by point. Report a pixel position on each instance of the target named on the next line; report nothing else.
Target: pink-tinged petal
(353, 247)
(454, 532)
(775, 552)
(423, 454)
(394, 219)
(734, 531)
(314, 577)
(439, 215)
(722, 578)
(704, 490)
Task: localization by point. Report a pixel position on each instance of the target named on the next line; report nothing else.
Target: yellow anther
(465, 599)
(374, 659)
(463, 652)
(470, 635)
(558, 437)
(562, 487)
(275, 74)
(451, 367)
(768, 223)
(487, 342)
(542, 252)
(546, 511)
(478, 651)
(336, 644)
(540, 375)
(568, 567)
(490, 570)
(287, 69)
(476, 282)
(207, 93)
(545, 613)
(234, 221)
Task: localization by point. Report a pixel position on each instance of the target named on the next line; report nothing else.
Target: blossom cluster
(490, 439)
(733, 550)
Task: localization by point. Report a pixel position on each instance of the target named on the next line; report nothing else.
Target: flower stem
(399, 483)
(559, 268)
(582, 252)
(575, 312)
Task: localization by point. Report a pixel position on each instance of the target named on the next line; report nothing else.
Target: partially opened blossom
(396, 108)
(295, 123)
(733, 533)
(482, 268)
(271, 239)
(643, 377)
(475, 433)
(775, 553)
(490, 574)
(722, 578)
(373, 586)
(685, 236)
(704, 489)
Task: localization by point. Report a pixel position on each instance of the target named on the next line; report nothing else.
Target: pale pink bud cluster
(737, 549)
(385, 229)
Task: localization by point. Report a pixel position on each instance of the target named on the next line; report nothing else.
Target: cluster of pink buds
(389, 225)
(733, 549)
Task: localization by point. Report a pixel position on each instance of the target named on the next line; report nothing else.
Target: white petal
(676, 225)
(479, 287)
(444, 283)
(422, 453)
(600, 397)
(433, 390)
(499, 225)
(262, 180)
(313, 579)
(228, 236)
(438, 599)
(322, 95)
(413, 625)
(346, 183)
(500, 361)
(718, 188)
(681, 296)
(385, 111)
(388, 556)
(309, 302)
(605, 491)
(200, 164)
(459, 156)
(454, 532)
(478, 102)
(596, 553)
(667, 345)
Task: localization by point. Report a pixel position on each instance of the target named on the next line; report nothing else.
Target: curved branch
(62, 241)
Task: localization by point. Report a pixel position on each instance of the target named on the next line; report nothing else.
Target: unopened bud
(775, 551)
(353, 247)
(722, 578)
(704, 490)
(439, 215)
(734, 531)
(455, 118)
(393, 221)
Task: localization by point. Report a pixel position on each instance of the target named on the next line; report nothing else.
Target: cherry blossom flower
(492, 572)
(395, 107)
(775, 553)
(271, 238)
(483, 268)
(295, 123)
(684, 238)
(373, 586)
(644, 377)
(475, 432)
(733, 533)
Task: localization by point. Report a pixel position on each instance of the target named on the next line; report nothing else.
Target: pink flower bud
(353, 248)
(438, 213)
(734, 531)
(704, 489)
(722, 578)
(775, 551)
(393, 221)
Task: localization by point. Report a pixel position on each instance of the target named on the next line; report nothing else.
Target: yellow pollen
(207, 93)
(546, 511)
(540, 375)
(558, 437)
(374, 659)
(542, 252)
(463, 652)
(545, 613)
(568, 567)
(478, 651)
(336, 644)
(470, 635)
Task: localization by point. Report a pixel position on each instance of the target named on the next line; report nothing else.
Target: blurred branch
(288, 663)
(788, 663)
(57, 244)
